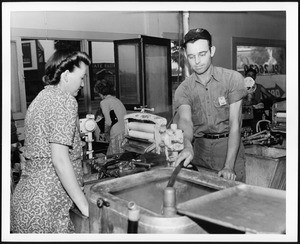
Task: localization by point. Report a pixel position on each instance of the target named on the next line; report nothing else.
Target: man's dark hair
(196, 34)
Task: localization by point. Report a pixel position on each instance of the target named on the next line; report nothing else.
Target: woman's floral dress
(40, 203)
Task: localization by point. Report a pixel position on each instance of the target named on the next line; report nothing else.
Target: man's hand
(187, 154)
(184, 123)
(227, 173)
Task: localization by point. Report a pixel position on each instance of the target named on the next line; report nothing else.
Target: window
(35, 55)
(267, 57)
(29, 50)
(103, 66)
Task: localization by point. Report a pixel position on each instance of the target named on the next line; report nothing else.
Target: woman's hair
(61, 61)
(104, 87)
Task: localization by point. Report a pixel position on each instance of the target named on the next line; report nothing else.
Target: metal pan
(250, 209)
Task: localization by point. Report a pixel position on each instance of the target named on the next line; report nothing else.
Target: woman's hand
(85, 210)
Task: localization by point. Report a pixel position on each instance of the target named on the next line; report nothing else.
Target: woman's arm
(65, 172)
(105, 111)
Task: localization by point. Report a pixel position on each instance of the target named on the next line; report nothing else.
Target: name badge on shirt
(222, 101)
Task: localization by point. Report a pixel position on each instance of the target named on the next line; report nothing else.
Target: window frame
(21, 79)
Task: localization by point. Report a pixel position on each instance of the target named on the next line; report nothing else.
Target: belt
(215, 136)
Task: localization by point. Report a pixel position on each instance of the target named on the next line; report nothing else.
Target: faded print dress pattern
(40, 204)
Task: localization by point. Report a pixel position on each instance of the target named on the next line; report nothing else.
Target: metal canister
(170, 222)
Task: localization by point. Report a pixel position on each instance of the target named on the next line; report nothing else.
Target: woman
(113, 111)
(52, 178)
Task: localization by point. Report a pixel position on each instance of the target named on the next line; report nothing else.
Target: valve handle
(102, 202)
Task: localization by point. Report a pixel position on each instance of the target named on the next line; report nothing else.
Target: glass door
(129, 72)
(143, 74)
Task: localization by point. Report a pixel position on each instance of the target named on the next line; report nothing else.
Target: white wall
(224, 26)
(106, 25)
(112, 25)
(90, 22)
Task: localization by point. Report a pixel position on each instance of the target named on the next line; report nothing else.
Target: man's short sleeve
(182, 95)
(237, 87)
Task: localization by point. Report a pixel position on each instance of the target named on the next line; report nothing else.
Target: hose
(258, 122)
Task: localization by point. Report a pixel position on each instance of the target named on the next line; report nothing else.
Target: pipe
(255, 135)
(174, 174)
(180, 37)
(133, 218)
(258, 124)
(186, 27)
(169, 202)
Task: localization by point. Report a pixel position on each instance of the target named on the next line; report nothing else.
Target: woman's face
(74, 80)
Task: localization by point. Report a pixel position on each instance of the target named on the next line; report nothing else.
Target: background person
(209, 105)
(52, 178)
(99, 132)
(113, 111)
(260, 99)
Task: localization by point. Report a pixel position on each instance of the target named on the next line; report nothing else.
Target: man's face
(199, 55)
(251, 74)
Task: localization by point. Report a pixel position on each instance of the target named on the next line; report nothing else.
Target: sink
(146, 190)
(150, 195)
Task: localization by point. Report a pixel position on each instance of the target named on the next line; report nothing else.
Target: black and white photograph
(149, 121)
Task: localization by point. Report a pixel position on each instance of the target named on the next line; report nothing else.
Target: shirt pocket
(221, 108)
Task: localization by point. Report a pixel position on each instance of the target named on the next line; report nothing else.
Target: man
(260, 95)
(209, 105)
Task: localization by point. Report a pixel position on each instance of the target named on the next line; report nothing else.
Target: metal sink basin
(150, 195)
(146, 190)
